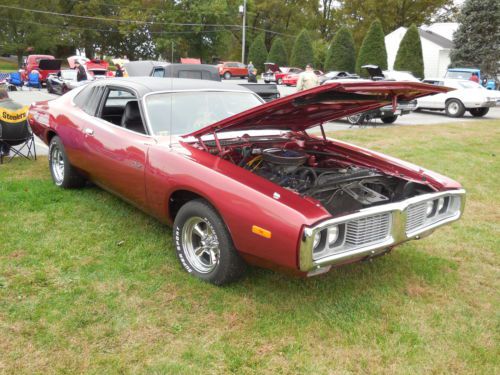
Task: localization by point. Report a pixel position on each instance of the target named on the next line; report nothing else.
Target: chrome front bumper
(400, 231)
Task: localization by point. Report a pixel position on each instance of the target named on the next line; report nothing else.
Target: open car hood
(374, 71)
(310, 108)
(271, 67)
(49, 64)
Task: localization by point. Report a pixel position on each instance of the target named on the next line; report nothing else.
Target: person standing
(250, 68)
(81, 74)
(11, 114)
(307, 79)
(119, 71)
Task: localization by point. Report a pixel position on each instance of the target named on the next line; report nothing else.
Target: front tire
(356, 119)
(454, 108)
(280, 81)
(227, 75)
(479, 112)
(389, 119)
(63, 173)
(204, 246)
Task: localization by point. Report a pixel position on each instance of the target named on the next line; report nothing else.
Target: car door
(433, 101)
(117, 154)
(242, 69)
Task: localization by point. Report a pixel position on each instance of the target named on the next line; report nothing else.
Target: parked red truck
(45, 64)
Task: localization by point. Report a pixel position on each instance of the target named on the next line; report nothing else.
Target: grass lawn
(7, 66)
(90, 284)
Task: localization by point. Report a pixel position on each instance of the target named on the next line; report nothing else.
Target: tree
(477, 39)
(257, 53)
(409, 56)
(342, 53)
(302, 52)
(320, 48)
(23, 32)
(372, 49)
(277, 53)
(356, 14)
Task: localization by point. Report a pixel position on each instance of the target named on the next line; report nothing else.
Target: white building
(436, 42)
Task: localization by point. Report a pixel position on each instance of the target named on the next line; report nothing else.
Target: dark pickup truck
(161, 69)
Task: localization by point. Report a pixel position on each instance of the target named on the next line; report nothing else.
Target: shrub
(342, 53)
(257, 53)
(372, 49)
(302, 52)
(277, 53)
(409, 56)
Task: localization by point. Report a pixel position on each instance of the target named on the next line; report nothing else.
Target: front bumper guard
(398, 233)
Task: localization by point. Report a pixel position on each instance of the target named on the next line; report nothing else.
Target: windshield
(458, 75)
(469, 84)
(68, 74)
(185, 112)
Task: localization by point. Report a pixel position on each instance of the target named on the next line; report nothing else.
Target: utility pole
(243, 10)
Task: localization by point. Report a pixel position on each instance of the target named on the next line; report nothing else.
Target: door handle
(88, 131)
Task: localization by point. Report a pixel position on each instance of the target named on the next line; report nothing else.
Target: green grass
(8, 66)
(88, 284)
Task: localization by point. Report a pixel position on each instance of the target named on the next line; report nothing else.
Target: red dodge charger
(242, 181)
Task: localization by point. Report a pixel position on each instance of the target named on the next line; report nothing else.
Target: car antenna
(171, 93)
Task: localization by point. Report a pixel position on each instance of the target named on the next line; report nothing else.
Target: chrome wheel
(453, 108)
(57, 165)
(201, 244)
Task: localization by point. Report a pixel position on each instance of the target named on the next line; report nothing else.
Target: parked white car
(467, 96)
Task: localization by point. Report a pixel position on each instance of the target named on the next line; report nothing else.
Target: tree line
(207, 29)
(341, 54)
(339, 34)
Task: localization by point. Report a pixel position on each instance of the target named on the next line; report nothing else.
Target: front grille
(416, 215)
(368, 229)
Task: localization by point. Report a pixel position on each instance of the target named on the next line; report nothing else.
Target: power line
(52, 26)
(137, 21)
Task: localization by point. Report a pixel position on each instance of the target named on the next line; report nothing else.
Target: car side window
(121, 108)
(82, 97)
(158, 72)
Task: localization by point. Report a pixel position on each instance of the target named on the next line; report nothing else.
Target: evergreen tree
(372, 49)
(302, 52)
(257, 53)
(342, 53)
(320, 47)
(477, 40)
(277, 53)
(409, 56)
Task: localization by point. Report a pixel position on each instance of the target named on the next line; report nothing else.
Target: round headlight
(430, 208)
(317, 239)
(440, 204)
(333, 235)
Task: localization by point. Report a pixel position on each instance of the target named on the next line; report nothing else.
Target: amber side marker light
(261, 231)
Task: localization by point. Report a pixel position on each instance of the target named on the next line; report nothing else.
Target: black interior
(131, 118)
(121, 112)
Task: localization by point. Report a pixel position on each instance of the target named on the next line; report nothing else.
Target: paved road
(416, 118)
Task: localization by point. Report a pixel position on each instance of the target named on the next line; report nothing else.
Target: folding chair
(18, 135)
(34, 81)
(16, 80)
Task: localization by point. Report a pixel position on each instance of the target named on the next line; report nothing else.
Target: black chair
(131, 118)
(18, 135)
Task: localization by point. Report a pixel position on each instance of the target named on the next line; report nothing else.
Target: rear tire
(454, 108)
(227, 75)
(204, 246)
(389, 119)
(280, 81)
(479, 112)
(63, 173)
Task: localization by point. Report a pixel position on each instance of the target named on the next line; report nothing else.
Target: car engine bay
(311, 169)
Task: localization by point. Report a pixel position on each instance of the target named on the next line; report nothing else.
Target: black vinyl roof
(145, 85)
